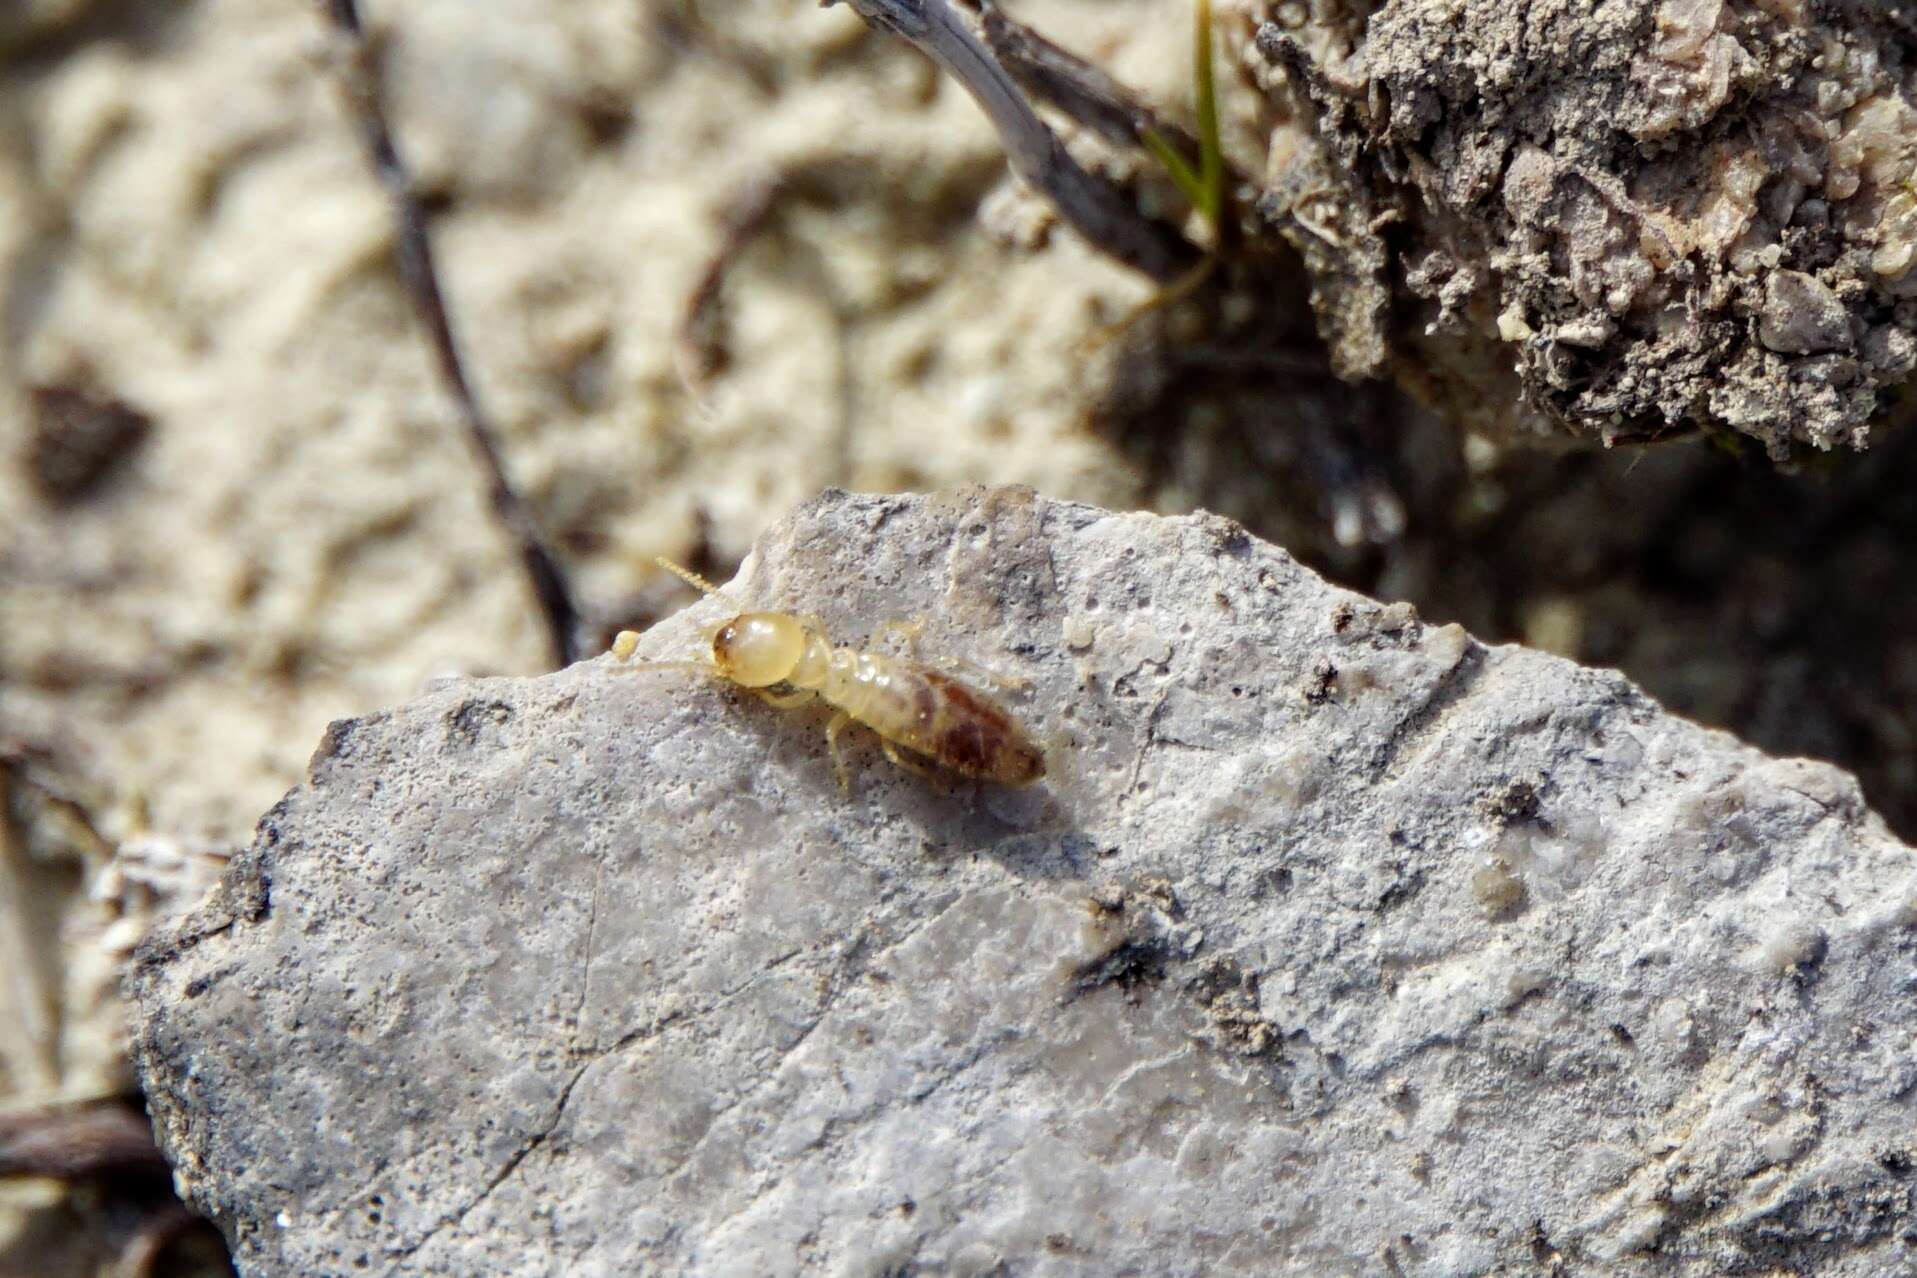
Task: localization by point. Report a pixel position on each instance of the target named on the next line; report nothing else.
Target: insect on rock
(787, 660)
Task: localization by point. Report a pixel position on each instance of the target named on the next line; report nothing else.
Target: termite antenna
(686, 575)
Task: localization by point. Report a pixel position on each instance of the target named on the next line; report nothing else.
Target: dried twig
(1080, 89)
(699, 348)
(421, 280)
(78, 1140)
(107, 1144)
(141, 1255)
(682, 24)
(1093, 206)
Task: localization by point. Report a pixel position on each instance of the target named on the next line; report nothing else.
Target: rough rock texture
(1334, 944)
(1649, 216)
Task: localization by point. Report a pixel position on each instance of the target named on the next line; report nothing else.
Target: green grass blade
(1211, 155)
(1177, 167)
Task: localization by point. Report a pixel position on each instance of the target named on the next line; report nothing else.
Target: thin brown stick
(699, 349)
(155, 1234)
(420, 278)
(1093, 206)
(1081, 90)
(79, 1139)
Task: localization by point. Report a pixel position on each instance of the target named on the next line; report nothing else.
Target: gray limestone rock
(1334, 943)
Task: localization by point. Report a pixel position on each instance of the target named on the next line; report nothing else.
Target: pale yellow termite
(787, 660)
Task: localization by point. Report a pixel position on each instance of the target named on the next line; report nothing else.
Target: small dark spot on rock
(197, 986)
(335, 743)
(1342, 617)
(1323, 682)
(1515, 803)
(1228, 535)
(259, 903)
(1401, 890)
(470, 721)
(1622, 1035)
(1130, 965)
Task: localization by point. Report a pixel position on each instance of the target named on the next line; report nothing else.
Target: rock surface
(1335, 943)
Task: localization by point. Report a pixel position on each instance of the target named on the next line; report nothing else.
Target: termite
(787, 661)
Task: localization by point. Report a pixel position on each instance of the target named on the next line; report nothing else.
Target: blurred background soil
(235, 505)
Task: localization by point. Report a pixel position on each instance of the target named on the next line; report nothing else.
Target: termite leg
(624, 644)
(785, 700)
(903, 760)
(832, 731)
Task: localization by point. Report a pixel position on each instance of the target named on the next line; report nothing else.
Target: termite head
(758, 649)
